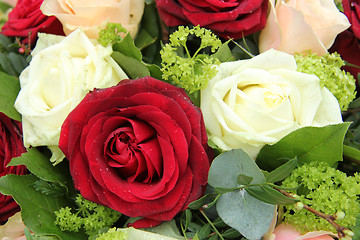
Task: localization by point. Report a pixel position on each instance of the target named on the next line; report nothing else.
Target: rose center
(124, 152)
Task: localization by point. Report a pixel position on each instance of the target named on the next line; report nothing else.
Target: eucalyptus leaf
(37, 209)
(307, 144)
(9, 89)
(249, 216)
(282, 172)
(226, 167)
(244, 179)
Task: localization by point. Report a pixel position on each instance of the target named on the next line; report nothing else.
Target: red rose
(11, 145)
(139, 148)
(352, 11)
(348, 46)
(26, 18)
(234, 19)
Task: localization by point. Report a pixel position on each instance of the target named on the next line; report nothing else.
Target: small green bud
(299, 206)
(340, 215)
(348, 233)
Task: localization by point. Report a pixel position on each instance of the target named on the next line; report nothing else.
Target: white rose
(258, 101)
(301, 25)
(92, 15)
(62, 71)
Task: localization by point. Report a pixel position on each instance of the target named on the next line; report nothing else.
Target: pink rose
(298, 26)
(288, 232)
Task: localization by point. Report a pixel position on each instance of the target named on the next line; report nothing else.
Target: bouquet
(166, 119)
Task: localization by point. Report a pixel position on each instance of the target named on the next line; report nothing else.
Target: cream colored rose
(302, 25)
(92, 15)
(13, 229)
(62, 71)
(258, 101)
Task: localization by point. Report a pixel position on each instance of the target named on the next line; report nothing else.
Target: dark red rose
(139, 148)
(352, 11)
(11, 145)
(348, 46)
(26, 18)
(229, 18)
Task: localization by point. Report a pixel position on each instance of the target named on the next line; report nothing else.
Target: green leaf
(155, 71)
(226, 167)
(208, 199)
(282, 172)
(249, 216)
(224, 53)
(37, 209)
(231, 233)
(204, 231)
(269, 195)
(307, 144)
(127, 47)
(351, 152)
(244, 179)
(40, 166)
(9, 89)
(131, 66)
(150, 27)
(49, 188)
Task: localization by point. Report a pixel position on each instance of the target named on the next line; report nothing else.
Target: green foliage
(325, 189)
(186, 70)
(129, 58)
(111, 34)
(11, 62)
(39, 164)
(113, 234)
(88, 215)
(234, 206)
(307, 144)
(328, 68)
(37, 209)
(9, 89)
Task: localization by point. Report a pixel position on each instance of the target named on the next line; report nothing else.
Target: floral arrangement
(166, 119)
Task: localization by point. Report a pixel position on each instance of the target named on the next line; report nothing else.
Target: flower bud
(340, 215)
(348, 233)
(299, 206)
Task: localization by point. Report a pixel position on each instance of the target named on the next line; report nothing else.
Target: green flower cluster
(89, 216)
(113, 234)
(111, 34)
(325, 189)
(328, 68)
(191, 72)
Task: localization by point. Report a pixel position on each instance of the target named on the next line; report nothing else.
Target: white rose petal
(254, 102)
(61, 72)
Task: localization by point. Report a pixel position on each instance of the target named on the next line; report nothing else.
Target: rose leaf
(131, 66)
(128, 48)
(248, 215)
(40, 166)
(37, 209)
(9, 89)
(308, 144)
